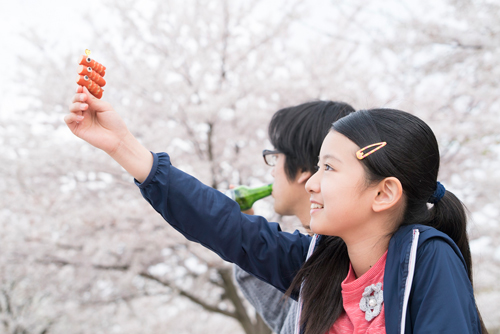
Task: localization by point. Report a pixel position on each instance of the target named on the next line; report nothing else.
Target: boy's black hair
(298, 132)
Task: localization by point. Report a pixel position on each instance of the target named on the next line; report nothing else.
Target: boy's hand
(249, 211)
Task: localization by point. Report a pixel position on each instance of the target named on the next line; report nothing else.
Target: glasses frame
(265, 153)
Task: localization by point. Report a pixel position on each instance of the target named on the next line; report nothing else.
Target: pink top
(353, 319)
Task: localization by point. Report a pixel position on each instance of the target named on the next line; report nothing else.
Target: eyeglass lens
(271, 159)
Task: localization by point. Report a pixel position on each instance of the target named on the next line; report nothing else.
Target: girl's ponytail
(449, 216)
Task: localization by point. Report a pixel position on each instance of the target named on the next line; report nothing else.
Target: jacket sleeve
(442, 299)
(207, 216)
(275, 308)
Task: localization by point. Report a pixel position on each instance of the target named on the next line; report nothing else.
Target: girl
(383, 259)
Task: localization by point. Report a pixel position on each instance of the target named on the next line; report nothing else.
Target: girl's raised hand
(95, 121)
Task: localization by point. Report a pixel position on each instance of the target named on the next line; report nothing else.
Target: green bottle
(246, 196)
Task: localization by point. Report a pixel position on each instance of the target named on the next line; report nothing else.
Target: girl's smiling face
(341, 200)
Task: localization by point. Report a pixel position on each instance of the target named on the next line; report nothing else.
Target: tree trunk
(259, 327)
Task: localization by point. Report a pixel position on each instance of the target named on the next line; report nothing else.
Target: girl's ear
(389, 193)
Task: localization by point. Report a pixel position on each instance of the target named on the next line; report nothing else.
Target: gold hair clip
(361, 155)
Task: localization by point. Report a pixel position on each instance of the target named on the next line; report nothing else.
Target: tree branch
(191, 297)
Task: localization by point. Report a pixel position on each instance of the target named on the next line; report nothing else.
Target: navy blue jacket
(439, 295)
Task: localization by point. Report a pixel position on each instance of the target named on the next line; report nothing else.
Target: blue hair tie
(438, 194)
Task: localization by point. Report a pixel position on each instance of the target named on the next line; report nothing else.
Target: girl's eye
(328, 167)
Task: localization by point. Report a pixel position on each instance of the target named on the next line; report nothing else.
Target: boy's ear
(302, 177)
(389, 194)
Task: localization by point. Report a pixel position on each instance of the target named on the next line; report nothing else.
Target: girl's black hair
(298, 132)
(412, 156)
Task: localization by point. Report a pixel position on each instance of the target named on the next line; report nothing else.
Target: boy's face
(289, 196)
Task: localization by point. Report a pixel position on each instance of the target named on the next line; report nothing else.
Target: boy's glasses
(270, 157)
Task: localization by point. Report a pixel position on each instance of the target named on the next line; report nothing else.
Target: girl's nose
(313, 184)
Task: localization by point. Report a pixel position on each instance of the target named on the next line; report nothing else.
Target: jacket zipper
(409, 278)
(299, 309)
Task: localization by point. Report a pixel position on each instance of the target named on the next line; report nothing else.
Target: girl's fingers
(79, 97)
(72, 118)
(88, 94)
(78, 107)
